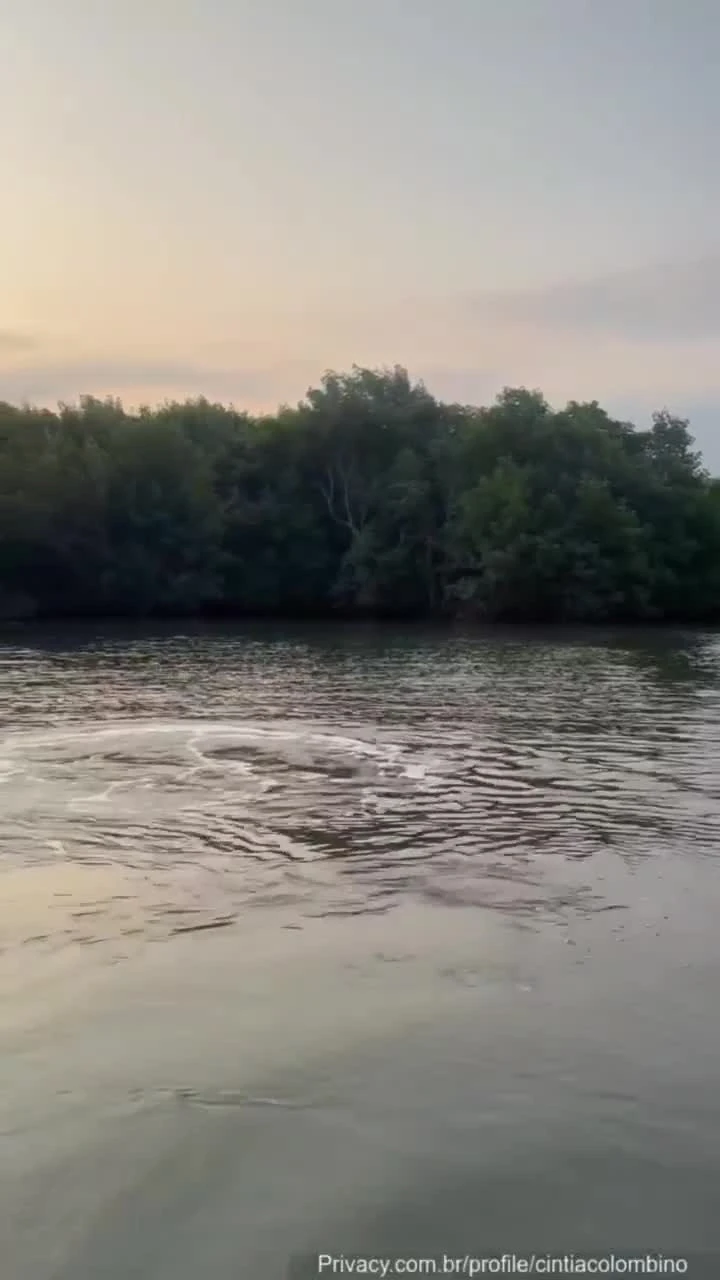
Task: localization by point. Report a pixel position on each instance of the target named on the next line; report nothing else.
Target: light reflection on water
(231, 770)
(440, 906)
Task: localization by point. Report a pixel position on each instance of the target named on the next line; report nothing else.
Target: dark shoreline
(208, 624)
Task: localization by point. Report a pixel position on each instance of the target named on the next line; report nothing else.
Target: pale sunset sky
(226, 197)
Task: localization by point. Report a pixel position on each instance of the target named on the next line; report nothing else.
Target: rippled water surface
(402, 940)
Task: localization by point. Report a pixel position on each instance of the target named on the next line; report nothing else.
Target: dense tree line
(368, 498)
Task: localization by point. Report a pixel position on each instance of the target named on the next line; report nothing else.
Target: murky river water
(356, 940)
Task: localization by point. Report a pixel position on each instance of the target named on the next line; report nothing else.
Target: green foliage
(369, 498)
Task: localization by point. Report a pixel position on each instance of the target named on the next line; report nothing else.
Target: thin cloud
(134, 379)
(678, 301)
(12, 340)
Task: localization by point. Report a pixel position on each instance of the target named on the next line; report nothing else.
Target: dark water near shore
(356, 938)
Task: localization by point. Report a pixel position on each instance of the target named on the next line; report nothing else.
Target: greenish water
(354, 939)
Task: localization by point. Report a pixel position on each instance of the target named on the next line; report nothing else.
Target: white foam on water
(200, 739)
